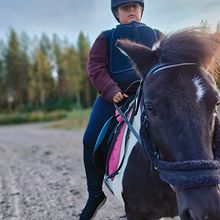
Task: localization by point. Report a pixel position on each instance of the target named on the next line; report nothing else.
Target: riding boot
(92, 206)
(101, 111)
(94, 183)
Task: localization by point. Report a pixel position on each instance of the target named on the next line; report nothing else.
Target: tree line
(44, 73)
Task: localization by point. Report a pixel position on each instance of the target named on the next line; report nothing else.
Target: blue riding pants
(101, 111)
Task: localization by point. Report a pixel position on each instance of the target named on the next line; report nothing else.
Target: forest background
(41, 75)
(43, 78)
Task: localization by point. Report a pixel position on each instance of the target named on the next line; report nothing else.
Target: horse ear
(214, 55)
(142, 56)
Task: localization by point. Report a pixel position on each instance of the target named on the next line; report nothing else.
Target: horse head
(179, 131)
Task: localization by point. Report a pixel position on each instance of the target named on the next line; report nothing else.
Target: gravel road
(42, 175)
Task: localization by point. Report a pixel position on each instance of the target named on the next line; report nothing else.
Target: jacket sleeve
(97, 68)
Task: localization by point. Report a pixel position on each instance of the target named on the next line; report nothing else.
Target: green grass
(76, 119)
(37, 116)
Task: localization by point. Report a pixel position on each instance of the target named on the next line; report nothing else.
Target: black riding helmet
(116, 3)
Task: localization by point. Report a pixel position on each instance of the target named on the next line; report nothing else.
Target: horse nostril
(188, 214)
(191, 215)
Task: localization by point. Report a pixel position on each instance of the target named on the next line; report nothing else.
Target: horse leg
(133, 213)
(144, 194)
(135, 216)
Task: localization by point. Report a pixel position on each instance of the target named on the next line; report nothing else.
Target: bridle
(184, 174)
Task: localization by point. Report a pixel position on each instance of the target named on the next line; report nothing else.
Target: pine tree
(2, 92)
(58, 66)
(2, 77)
(88, 91)
(25, 66)
(42, 81)
(205, 25)
(13, 70)
(73, 76)
(218, 27)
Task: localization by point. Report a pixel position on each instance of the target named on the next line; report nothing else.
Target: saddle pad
(115, 155)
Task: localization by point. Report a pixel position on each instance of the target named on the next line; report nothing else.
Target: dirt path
(42, 176)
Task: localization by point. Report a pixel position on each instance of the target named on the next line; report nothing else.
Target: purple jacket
(97, 68)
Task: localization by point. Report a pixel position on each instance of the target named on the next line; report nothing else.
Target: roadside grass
(76, 119)
(37, 116)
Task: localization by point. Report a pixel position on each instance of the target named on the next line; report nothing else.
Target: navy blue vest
(120, 67)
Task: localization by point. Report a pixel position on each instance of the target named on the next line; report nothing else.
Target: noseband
(185, 174)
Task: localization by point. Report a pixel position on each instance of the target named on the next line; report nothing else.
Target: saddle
(107, 149)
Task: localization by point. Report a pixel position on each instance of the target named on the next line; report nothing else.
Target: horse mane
(193, 45)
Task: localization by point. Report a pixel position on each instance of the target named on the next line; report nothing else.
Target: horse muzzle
(199, 204)
(196, 184)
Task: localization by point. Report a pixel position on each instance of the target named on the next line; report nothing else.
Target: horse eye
(151, 109)
(216, 108)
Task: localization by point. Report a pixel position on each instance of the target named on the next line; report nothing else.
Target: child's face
(129, 12)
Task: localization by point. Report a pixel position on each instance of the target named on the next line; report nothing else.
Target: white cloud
(172, 15)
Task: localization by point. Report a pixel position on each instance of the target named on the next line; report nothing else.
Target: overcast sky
(68, 17)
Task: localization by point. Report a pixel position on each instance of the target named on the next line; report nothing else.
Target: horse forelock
(191, 45)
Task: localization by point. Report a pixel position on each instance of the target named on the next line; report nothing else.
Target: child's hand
(118, 97)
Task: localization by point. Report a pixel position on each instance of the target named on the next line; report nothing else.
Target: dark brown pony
(179, 130)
